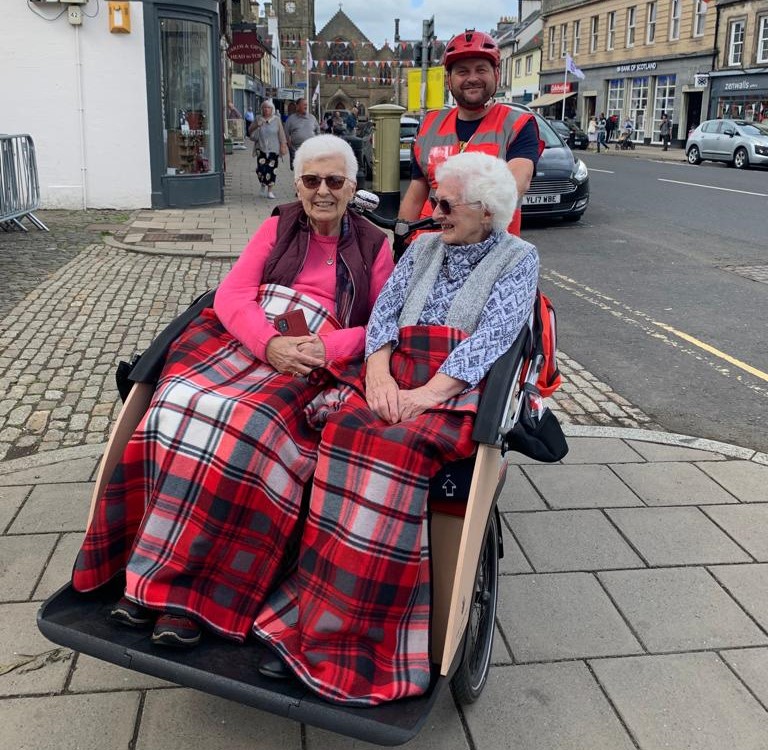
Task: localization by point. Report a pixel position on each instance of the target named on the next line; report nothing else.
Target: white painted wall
(88, 119)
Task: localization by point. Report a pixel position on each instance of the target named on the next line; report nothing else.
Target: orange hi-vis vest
(437, 140)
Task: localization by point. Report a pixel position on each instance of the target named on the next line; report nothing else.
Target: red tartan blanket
(200, 508)
(353, 622)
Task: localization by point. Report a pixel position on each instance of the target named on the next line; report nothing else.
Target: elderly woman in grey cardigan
(352, 622)
(269, 143)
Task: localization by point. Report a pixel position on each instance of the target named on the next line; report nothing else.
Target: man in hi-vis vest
(477, 123)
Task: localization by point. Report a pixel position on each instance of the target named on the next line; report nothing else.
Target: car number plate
(535, 200)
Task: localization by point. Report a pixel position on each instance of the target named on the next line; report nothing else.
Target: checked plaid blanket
(353, 621)
(208, 491)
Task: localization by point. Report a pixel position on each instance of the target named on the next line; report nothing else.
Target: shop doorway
(693, 100)
(590, 103)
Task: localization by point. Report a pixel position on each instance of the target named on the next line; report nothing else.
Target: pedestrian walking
(269, 143)
(610, 127)
(299, 127)
(665, 131)
(592, 131)
(600, 127)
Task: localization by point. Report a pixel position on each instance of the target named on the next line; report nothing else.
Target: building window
(528, 64)
(615, 99)
(736, 43)
(551, 43)
(674, 20)
(650, 36)
(762, 41)
(699, 17)
(576, 37)
(563, 39)
(610, 37)
(187, 95)
(638, 104)
(664, 103)
(517, 68)
(631, 21)
(594, 32)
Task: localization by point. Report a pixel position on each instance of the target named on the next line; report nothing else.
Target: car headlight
(581, 173)
(762, 150)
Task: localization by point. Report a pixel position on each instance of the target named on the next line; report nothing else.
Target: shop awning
(546, 99)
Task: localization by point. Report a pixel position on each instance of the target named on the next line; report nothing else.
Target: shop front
(639, 92)
(184, 102)
(742, 96)
(558, 100)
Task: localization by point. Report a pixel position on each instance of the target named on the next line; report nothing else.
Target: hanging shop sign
(245, 48)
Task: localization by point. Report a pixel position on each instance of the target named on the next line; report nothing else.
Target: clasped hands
(393, 404)
(295, 355)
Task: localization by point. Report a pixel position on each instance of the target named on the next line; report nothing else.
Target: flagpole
(565, 88)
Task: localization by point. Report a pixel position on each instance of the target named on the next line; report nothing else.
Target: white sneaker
(270, 194)
(264, 190)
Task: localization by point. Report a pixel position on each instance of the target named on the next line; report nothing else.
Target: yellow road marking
(712, 350)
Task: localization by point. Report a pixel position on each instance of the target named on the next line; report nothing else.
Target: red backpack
(545, 345)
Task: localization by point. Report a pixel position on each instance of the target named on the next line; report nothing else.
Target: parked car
(560, 187)
(409, 126)
(737, 142)
(571, 133)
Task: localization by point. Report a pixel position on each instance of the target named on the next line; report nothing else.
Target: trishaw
(466, 547)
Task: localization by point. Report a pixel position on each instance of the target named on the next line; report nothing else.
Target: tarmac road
(662, 292)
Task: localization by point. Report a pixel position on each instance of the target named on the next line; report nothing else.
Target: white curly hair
(486, 179)
(321, 147)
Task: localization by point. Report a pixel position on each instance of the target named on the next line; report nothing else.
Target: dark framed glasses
(313, 181)
(446, 208)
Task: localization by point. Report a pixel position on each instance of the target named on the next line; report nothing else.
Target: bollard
(386, 157)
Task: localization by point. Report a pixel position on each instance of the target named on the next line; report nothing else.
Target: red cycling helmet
(471, 43)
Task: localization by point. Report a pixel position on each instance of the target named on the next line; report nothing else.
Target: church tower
(296, 24)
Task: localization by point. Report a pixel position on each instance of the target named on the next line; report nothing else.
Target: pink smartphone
(292, 323)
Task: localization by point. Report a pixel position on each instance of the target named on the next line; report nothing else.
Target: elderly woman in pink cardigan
(201, 508)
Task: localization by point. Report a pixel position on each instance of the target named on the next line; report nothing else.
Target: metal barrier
(19, 186)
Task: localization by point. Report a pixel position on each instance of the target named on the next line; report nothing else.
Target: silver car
(737, 142)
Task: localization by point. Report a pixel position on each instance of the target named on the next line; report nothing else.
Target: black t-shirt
(524, 146)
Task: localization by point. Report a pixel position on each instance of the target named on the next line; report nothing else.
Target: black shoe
(131, 614)
(274, 667)
(176, 631)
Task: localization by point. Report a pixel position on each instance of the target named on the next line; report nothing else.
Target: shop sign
(560, 88)
(634, 67)
(742, 85)
(245, 47)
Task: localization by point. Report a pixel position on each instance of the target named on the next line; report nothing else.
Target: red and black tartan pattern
(209, 488)
(353, 622)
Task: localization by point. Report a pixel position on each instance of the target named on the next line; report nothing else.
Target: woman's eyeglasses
(313, 181)
(446, 208)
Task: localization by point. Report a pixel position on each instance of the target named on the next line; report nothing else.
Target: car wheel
(694, 157)
(741, 158)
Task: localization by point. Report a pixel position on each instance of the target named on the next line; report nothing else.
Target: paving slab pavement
(619, 627)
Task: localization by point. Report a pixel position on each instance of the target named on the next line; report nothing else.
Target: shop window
(186, 71)
(700, 17)
(762, 40)
(594, 33)
(664, 102)
(563, 39)
(631, 22)
(650, 36)
(638, 104)
(610, 38)
(736, 43)
(674, 20)
(576, 37)
(615, 99)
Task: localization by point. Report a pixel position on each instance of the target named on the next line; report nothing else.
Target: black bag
(537, 432)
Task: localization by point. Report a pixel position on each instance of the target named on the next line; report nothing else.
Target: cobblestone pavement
(60, 342)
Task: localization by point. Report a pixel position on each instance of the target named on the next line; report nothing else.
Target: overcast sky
(375, 19)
